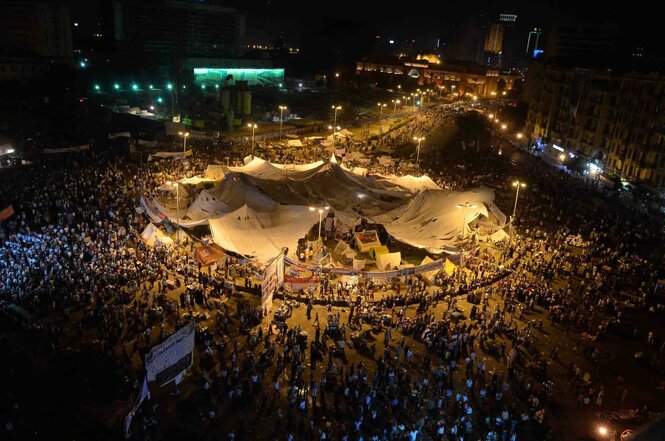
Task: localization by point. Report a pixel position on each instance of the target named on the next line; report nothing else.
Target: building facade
(180, 28)
(616, 120)
(456, 78)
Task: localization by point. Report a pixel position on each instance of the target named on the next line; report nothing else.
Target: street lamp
(333, 129)
(184, 140)
(381, 106)
(281, 120)
(395, 103)
(419, 139)
(518, 185)
(504, 127)
(464, 206)
(320, 210)
(177, 208)
(519, 136)
(253, 127)
(335, 109)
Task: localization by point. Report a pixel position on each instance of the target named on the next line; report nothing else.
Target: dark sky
(264, 17)
(638, 19)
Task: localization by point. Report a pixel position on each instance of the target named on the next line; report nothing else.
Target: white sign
(273, 279)
(171, 357)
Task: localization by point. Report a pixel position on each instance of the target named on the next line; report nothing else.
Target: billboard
(273, 279)
(209, 76)
(172, 357)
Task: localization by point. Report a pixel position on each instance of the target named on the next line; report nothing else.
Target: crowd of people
(74, 246)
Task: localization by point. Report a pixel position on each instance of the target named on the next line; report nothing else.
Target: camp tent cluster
(261, 207)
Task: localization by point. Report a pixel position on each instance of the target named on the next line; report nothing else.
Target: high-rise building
(180, 28)
(34, 36)
(35, 29)
(614, 118)
(468, 42)
(494, 38)
(494, 45)
(533, 43)
(581, 44)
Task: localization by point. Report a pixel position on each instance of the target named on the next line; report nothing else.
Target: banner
(145, 393)
(432, 266)
(171, 357)
(172, 155)
(273, 279)
(7, 212)
(77, 148)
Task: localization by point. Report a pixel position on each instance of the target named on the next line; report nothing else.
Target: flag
(7, 212)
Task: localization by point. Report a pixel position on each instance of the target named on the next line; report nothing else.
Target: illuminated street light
(518, 185)
(395, 102)
(97, 87)
(418, 139)
(253, 127)
(335, 109)
(160, 100)
(503, 93)
(116, 86)
(602, 430)
(135, 86)
(320, 210)
(504, 127)
(281, 120)
(336, 74)
(491, 116)
(519, 136)
(562, 157)
(169, 86)
(184, 140)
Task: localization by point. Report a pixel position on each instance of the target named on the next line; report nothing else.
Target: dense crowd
(73, 245)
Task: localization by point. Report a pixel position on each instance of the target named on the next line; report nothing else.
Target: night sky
(638, 20)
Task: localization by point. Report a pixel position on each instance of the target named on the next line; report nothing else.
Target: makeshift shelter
(294, 143)
(358, 264)
(366, 240)
(389, 261)
(153, 236)
(374, 252)
(208, 254)
(343, 249)
(429, 275)
(449, 267)
(215, 172)
(262, 234)
(433, 218)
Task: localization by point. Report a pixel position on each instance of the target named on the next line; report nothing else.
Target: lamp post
(381, 106)
(335, 109)
(419, 139)
(177, 209)
(184, 141)
(333, 129)
(281, 120)
(253, 127)
(518, 185)
(395, 103)
(320, 210)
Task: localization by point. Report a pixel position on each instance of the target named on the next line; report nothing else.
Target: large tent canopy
(261, 207)
(434, 218)
(262, 234)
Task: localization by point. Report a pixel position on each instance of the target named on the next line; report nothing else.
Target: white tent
(152, 236)
(388, 261)
(215, 172)
(206, 206)
(294, 143)
(262, 234)
(433, 219)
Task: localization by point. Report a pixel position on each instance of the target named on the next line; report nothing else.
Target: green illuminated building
(228, 76)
